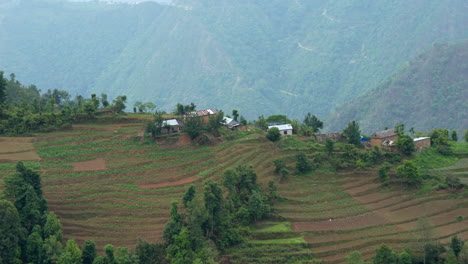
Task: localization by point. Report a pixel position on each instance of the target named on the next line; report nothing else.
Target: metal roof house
(230, 123)
(204, 114)
(285, 129)
(421, 143)
(174, 124)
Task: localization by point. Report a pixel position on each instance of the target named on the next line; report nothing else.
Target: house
(231, 123)
(204, 114)
(173, 124)
(285, 129)
(421, 143)
(385, 138)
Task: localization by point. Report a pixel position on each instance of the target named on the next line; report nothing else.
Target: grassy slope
(259, 57)
(325, 215)
(428, 92)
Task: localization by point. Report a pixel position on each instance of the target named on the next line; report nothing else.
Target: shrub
(273, 134)
(303, 164)
(383, 171)
(453, 182)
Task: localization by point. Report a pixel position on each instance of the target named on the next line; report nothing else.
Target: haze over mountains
(261, 57)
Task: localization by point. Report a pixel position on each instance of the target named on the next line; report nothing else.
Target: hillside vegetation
(428, 92)
(260, 57)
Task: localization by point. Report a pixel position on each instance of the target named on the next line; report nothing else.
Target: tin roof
(171, 122)
(206, 112)
(282, 127)
(420, 138)
(230, 122)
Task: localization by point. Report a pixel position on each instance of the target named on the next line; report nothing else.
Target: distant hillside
(430, 91)
(261, 57)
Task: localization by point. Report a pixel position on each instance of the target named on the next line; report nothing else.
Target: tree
(466, 135)
(119, 103)
(104, 101)
(454, 135)
(456, 244)
(94, 100)
(303, 165)
(451, 258)
(405, 258)
(313, 122)
(51, 250)
(257, 206)
(425, 230)
(155, 126)
(329, 145)
(139, 107)
(279, 165)
(273, 134)
(355, 257)
(383, 171)
(440, 139)
(410, 173)
(3, 86)
(262, 123)
(109, 251)
(34, 246)
(353, 133)
(189, 195)
(193, 127)
(150, 106)
(10, 232)
(180, 252)
(215, 122)
(405, 144)
(385, 255)
(277, 119)
(235, 114)
(89, 252)
(53, 226)
(71, 254)
(213, 197)
(150, 253)
(122, 256)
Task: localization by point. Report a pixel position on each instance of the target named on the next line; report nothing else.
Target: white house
(173, 124)
(285, 129)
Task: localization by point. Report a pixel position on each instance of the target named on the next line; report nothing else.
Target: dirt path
(91, 165)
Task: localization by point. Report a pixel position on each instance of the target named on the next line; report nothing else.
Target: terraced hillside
(108, 185)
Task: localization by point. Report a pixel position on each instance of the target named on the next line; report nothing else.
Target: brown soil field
(14, 149)
(171, 183)
(91, 165)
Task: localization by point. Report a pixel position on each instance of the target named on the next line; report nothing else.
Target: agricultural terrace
(108, 185)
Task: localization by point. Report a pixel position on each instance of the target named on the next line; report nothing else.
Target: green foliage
(454, 135)
(277, 120)
(465, 135)
(353, 133)
(279, 165)
(193, 127)
(109, 251)
(313, 122)
(329, 145)
(355, 257)
(118, 104)
(405, 144)
(10, 232)
(71, 254)
(385, 255)
(440, 140)
(149, 253)
(52, 250)
(34, 246)
(456, 245)
(383, 172)
(3, 86)
(89, 252)
(262, 123)
(53, 227)
(451, 258)
(189, 195)
(409, 172)
(303, 164)
(273, 134)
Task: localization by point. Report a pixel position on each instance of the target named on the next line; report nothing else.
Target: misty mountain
(430, 91)
(261, 57)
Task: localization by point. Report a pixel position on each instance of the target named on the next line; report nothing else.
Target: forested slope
(260, 57)
(428, 92)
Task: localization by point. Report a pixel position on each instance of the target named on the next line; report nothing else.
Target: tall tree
(10, 233)
(53, 226)
(34, 246)
(353, 133)
(385, 255)
(71, 254)
(313, 122)
(410, 173)
(89, 252)
(235, 114)
(193, 127)
(3, 86)
(303, 164)
(51, 250)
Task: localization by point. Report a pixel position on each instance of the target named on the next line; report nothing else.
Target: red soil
(90, 165)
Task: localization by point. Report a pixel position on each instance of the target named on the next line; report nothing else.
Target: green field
(107, 185)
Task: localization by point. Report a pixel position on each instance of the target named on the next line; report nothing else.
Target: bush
(273, 134)
(303, 165)
(279, 165)
(383, 171)
(453, 182)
